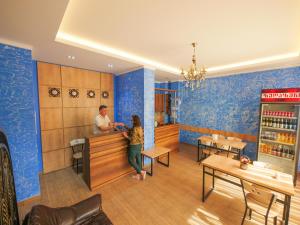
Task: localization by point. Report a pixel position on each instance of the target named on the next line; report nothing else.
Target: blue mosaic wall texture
(148, 108)
(231, 103)
(17, 118)
(135, 95)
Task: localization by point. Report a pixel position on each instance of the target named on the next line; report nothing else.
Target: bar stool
(77, 146)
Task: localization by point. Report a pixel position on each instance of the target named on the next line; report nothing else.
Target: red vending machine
(278, 139)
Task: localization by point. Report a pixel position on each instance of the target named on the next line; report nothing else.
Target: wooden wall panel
(47, 101)
(64, 118)
(107, 82)
(68, 157)
(52, 139)
(51, 118)
(203, 130)
(49, 74)
(76, 132)
(110, 113)
(82, 100)
(53, 160)
(74, 77)
(79, 116)
(91, 79)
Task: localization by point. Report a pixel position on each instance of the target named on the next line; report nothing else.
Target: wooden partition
(167, 136)
(69, 100)
(105, 159)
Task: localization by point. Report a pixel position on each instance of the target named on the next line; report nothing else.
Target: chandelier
(193, 76)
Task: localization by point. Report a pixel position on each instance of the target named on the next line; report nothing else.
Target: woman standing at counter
(135, 147)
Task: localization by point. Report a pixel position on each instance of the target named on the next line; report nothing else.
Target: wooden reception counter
(105, 159)
(167, 136)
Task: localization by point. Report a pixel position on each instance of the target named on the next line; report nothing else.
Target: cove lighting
(253, 62)
(96, 47)
(117, 53)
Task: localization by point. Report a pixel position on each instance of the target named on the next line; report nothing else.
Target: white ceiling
(227, 31)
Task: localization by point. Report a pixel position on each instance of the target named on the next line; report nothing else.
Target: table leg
(203, 184)
(165, 164)
(168, 159)
(198, 155)
(213, 177)
(286, 211)
(151, 173)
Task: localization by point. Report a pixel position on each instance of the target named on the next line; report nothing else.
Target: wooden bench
(153, 153)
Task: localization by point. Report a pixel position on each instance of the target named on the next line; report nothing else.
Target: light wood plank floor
(172, 196)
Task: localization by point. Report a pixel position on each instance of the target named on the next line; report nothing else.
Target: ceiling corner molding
(86, 44)
(15, 44)
(130, 70)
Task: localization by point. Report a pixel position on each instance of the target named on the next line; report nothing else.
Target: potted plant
(244, 161)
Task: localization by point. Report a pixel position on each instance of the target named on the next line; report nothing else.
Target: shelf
(283, 117)
(277, 142)
(280, 129)
(275, 156)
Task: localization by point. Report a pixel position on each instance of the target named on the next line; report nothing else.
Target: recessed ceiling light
(71, 57)
(110, 65)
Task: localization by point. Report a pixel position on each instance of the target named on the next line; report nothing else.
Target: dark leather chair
(88, 211)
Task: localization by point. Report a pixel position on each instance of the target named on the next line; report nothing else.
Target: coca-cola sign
(281, 95)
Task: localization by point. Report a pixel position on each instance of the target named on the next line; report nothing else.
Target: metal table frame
(203, 146)
(165, 164)
(287, 198)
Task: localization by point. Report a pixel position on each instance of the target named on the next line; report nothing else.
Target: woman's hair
(136, 121)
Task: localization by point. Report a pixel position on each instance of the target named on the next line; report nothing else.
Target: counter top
(104, 133)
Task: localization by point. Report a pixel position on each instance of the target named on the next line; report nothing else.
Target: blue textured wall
(17, 117)
(130, 96)
(230, 103)
(148, 108)
(135, 95)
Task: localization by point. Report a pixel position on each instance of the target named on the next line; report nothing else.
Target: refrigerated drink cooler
(278, 139)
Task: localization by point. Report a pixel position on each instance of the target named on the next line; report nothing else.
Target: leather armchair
(87, 212)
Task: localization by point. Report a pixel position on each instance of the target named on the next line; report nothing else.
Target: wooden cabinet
(163, 103)
(159, 102)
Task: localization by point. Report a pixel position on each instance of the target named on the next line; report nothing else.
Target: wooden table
(283, 184)
(238, 145)
(156, 152)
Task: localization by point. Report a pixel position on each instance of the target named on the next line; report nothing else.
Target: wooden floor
(172, 196)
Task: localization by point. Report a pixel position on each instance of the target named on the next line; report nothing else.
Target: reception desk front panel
(105, 159)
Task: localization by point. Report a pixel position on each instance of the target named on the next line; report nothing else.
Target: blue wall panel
(148, 108)
(17, 117)
(130, 96)
(230, 103)
(135, 95)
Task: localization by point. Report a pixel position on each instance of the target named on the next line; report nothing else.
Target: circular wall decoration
(54, 92)
(105, 94)
(73, 93)
(91, 94)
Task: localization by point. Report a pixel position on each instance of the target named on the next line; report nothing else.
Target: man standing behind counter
(102, 121)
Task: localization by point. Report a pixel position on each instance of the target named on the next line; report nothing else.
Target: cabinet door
(168, 104)
(161, 103)
(156, 102)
